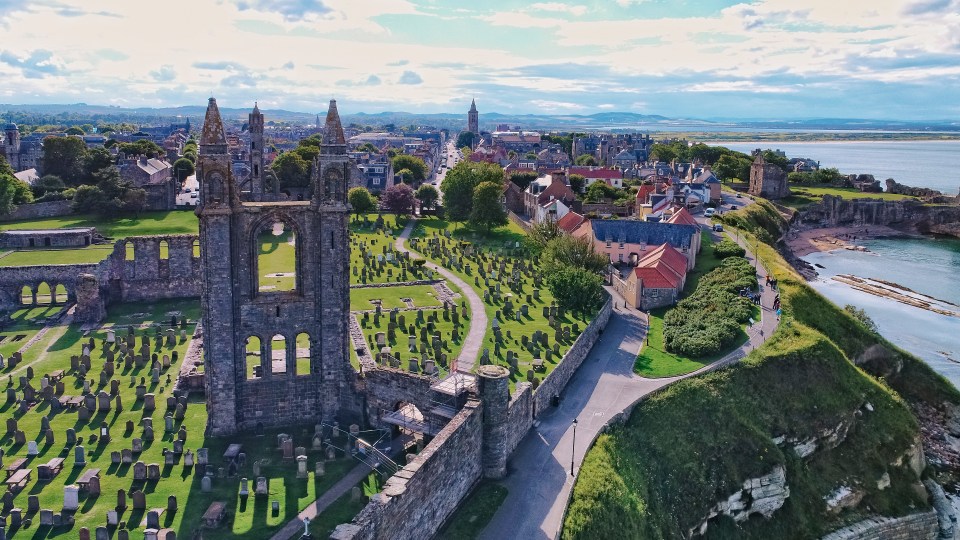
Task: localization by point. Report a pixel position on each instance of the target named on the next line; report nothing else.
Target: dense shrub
(709, 320)
(728, 248)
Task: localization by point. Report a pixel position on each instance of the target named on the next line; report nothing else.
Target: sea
(931, 164)
(929, 266)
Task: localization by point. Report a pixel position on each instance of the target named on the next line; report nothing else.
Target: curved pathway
(473, 342)
(544, 465)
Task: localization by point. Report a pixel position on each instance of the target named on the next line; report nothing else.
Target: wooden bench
(56, 375)
(19, 480)
(214, 514)
(86, 476)
(50, 469)
(15, 466)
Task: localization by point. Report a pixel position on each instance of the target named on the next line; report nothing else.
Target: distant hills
(606, 121)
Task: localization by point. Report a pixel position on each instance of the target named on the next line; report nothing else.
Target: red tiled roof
(644, 192)
(587, 172)
(682, 217)
(570, 222)
(558, 190)
(663, 267)
(655, 278)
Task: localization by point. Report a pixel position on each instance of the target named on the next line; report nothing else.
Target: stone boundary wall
(417, 500)
(557, 380)
(14, 278)
(522, 223)
(395, 284)
(922, 526)
(47, 209)
(519, 416)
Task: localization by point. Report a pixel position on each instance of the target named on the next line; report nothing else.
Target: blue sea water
(931, 164)
(927, 266)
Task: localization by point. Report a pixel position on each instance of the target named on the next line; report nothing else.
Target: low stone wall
(921, 526)
(39, 210)
(522, 223)
(557, 380)
(519, 416)
(419, 498)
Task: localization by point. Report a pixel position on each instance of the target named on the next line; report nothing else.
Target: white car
(709, 212)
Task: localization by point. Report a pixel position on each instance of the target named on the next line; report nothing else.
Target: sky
(769, 59)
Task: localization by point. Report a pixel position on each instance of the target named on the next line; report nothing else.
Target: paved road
(473, 342)
(540, 479)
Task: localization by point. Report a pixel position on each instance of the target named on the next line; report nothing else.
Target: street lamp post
(573, 447)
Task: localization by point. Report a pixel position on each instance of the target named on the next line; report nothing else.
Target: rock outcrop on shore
(910, 215)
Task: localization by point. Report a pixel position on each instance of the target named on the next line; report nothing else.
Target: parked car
(739, 196)
(709, 212)
(718, 227)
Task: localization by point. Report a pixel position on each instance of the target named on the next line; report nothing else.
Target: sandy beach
(805, 242)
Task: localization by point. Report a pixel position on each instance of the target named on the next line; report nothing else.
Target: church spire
(473, 105)
(212, 133)
(333, 130)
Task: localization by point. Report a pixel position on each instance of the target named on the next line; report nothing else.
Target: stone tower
(767, 180)
(274, 357)
(11, 146)
(473, 119)
(255, 185)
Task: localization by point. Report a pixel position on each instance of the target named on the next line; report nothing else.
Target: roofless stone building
(274, 355)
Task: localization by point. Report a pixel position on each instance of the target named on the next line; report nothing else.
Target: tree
(465, 139)
(406, 176)
(398, 199)
(95, 160)
(861, 316)
(74, 131)
(577, 182)
(415, 165)
(571, 251)
(63, 157)
(183, 168)
(730, 167)
(779, 160)
(13, 191)
(428, 196)
(459, 184)
(599, 191)
(292, 170)
(662, 152)
(576, 289)
(143, 147)
(542, 233)
(307, 152)
(368, 147)
(488, 212)
(523, 179)
(110, 197)
(361, 201)
(586, 160)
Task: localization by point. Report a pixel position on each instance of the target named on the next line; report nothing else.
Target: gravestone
(139, 500)
(71, 497)
(261, 489)
(206, 484)
(139, 471)
(79, 460)
(121, 499)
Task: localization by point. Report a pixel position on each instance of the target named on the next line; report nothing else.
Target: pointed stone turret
(333, 140)
(473, 105)
(256, 108)
(213, 134)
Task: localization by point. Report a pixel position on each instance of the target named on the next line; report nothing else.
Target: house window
(621, 245)
(376, 181)
(621, 255)
(608, 243)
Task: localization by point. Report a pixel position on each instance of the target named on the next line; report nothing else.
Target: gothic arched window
(216, 187)
(332, 184)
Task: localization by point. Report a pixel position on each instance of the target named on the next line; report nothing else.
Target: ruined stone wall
(418, 499)
(385, 388)
(922, 526)
(557, 380)
(148, 277)
(519, 416)
(39, 210)
(14, 278)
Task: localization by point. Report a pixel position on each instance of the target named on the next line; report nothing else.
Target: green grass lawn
(250, 519)
(421, 295)
(28, 257)
(366, 238)
(170, 222)
(475, 512)
(802, 195)
(276, 260)
(511, 328)
(401, 340)
(345, 508)
(654, 361)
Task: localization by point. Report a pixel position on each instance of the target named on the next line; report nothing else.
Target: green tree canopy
(577, 182)
(95, 160)
(63, 157)
(415, 165)
(465, 139)
(586, 160)
(730, 167)
(542, 233)
(598, 191)
(74, 131)
(111, 197)
(292, 170)
(13, 191)
(361, 201)
(143, 147)
(663, 152)
(459, 184)
(488, 212)
(523, 179)
(428, 196)
(183, 168)
(49, 183)
(307, 152)
(571, 251)
(576, 289)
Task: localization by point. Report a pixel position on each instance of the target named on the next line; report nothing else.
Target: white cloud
(558, 7)
(547, 106)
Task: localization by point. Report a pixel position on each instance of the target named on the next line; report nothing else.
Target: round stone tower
(494, 385)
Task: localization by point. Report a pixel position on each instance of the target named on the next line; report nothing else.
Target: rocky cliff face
(907, 214)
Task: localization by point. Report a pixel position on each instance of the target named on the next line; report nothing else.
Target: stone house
(656, 281)
(767, 180)
(153, 175)
(613, 177)
(629, 241)
(70, 237)
(541, 193)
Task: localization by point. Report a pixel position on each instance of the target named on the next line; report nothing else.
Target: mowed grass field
(249, 518)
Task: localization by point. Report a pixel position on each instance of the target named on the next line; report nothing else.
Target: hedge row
(709, 320)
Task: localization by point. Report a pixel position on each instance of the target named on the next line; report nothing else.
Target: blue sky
(684, 59)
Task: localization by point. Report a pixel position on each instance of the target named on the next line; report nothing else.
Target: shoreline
(801, 243)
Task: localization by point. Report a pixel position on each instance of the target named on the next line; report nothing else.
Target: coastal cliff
(910, 215)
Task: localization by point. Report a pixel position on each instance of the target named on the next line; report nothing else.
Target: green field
(802, 195)
(276, 259)
(28, 257)
(250, 518)
(390, 297)
(171, 222)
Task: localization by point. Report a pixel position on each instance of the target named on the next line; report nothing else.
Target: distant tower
(473, 119)
(11, 146)
(255, 185)
(318, 121)
(266, 386)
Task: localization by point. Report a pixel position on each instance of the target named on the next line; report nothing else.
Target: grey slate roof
(643, 232)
